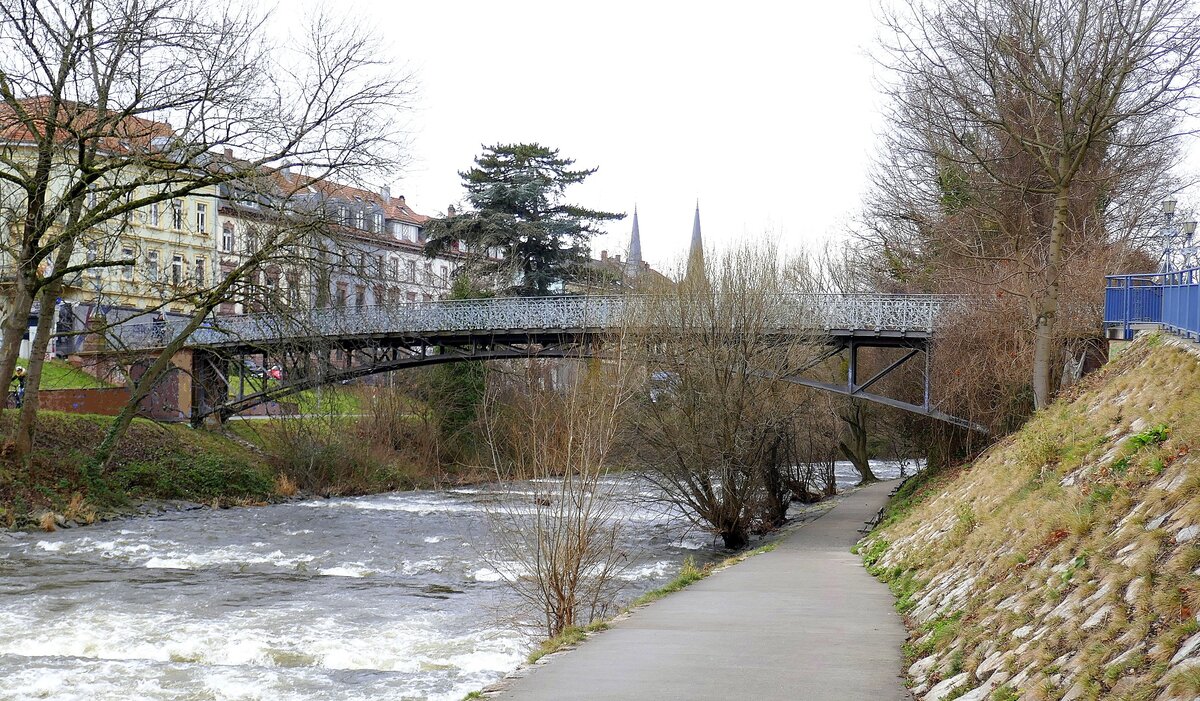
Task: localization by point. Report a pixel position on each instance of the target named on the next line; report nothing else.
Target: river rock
(1189, 646)
(1187, 535)
(920, 668)
(1100, 616)
(992, 663)
(1133, 590)
(943, 688)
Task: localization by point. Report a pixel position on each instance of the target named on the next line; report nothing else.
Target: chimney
(450, 211)
(603, 256)
(617, 259)
(386, 193)
(228, 152)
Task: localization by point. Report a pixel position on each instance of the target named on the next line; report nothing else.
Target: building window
(227, 237)
(176, 269)
(360, 296)
(410, 296)
(154, 218)
(200, 278)
(360, 221)
(176, 214)
(428, 273)
(292, 279)
(340, 299)
(202, 218)
(250, 239)
(127, 269)
(412, 271)
(396, 229)
(380, 267)
(344, 214)
(377, 223)
(152, 266)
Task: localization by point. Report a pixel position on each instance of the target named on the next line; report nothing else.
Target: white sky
(765, 111)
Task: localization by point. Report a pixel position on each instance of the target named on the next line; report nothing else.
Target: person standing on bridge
(159, 327)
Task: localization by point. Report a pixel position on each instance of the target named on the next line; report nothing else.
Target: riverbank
(169, 467)
(1063, 563)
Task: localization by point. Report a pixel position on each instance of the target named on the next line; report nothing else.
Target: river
(391, 596)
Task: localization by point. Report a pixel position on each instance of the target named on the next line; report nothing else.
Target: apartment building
(366, 249)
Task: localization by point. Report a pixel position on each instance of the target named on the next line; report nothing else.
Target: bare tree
(1024, 134)
(715, 428)
(561, 546)
(109, 107)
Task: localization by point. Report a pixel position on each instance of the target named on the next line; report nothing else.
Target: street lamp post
(1176, 240)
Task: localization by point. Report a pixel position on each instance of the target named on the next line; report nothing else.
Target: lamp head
(1168, 206)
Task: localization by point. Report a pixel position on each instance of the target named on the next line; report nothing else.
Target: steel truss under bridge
(855, 386)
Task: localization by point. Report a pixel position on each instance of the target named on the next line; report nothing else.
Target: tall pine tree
(516, 194)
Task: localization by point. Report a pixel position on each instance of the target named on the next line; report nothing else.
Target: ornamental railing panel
(818, 313)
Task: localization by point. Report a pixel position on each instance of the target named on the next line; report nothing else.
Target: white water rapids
(393, 596)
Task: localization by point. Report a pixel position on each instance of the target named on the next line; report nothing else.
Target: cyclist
(19, 378)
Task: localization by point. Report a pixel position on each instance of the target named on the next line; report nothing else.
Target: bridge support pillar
(210, 387)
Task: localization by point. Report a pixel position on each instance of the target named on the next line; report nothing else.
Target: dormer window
(344, 214)
(360, 220)
(377, 223)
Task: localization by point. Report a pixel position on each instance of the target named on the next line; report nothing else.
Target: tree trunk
(735, 538)
(856, 450)
(14, 328)
(141, 389)
(1046, 309)
(22, 437)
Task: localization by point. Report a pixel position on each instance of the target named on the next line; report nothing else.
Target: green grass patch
(689, 574)
(572, 635)
(154, 461)
(327, 400)
(59, 374)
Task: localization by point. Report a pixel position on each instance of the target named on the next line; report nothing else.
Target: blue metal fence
(1170, 300)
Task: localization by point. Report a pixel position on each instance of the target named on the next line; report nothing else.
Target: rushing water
(382, 597)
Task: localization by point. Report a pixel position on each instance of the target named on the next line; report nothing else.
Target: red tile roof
(74, 121)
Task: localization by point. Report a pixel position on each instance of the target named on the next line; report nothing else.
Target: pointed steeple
(634, 261)
(695, 264)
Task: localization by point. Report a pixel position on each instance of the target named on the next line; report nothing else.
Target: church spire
(634, 260)
(695, 264)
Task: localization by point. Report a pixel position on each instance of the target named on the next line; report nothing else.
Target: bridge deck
(509, 319)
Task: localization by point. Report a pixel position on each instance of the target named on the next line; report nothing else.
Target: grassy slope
(59, 374)
(162, 461)
(1062, 563)
(332, 399)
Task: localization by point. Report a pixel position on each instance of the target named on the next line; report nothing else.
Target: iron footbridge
(314, 347)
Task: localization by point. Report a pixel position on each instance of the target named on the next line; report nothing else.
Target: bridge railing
(1170, 300)
(816, 312)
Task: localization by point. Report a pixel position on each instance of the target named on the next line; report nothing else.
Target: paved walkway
(803, 622)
